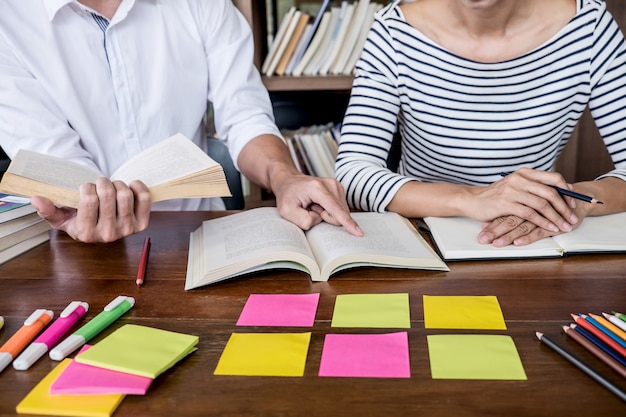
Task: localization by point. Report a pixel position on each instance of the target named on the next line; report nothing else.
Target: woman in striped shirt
(476, 88)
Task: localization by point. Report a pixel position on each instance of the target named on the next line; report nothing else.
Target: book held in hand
(457, 239)
(173, 168)
(260, 239)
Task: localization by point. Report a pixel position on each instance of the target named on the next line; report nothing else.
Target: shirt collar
(53, 6)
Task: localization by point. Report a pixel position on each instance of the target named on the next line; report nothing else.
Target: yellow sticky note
(474, 356)
(372, 310)
(139, 350)
(463, 312)
(264, 354)
(39, 401)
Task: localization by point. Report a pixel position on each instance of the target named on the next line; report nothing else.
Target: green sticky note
(264, 354)
(372, 310)
(139, 350)
(474, 357)
(463, 312)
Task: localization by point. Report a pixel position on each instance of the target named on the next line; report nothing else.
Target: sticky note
(297, 310)
(78, 378)
(366, 355)
(264, 354)
(372, 311)
(474, 356)
(40, 401)
(139, 350)
(463, 312)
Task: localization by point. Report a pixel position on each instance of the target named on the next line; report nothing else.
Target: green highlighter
(111, 312)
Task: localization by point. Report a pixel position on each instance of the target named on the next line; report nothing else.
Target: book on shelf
(301, 22)
(302, 43)
(261, 240)
(314, 149)
(278, 39)
(307, 38)
(338, 40)
(355, 28)
(316, 61)
(284, 41)
(356, 52)
(314, 45)
(173, 168)
(13, 207)
(456, 239)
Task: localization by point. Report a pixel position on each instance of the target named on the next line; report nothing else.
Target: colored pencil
(615, 319)
(598, 353)
(599, 343)
(579, 319)
(604, 330)
(610, 326)
(143, 263)
(582, 366)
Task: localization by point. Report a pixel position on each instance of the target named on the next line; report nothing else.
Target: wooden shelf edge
(301, 83)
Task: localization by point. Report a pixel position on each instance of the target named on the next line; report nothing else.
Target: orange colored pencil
(580, 320)
(616, 330)
(597, 352)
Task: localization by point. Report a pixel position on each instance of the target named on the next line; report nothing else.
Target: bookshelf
(294, 97)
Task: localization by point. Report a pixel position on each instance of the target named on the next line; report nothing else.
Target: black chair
(219, 152)
(4, 162)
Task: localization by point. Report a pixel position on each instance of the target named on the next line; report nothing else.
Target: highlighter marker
(111, 312)
(68, 318)
(31, 328)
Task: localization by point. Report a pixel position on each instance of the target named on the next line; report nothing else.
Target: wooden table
(535, 295)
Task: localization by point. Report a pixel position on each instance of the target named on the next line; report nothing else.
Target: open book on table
(456, 239)
(260, 239)
(173, 168)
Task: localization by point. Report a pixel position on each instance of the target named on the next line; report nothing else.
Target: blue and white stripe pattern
(466, 122)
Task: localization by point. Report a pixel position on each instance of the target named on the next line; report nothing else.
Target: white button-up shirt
(98, 97)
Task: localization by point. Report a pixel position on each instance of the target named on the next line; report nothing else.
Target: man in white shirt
(97, 81)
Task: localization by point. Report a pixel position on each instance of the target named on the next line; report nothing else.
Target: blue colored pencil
(599, 343)
(604, 330)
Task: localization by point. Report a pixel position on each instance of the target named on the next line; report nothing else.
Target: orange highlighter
(31, 328)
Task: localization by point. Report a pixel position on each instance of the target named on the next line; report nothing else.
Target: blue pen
(566, 192)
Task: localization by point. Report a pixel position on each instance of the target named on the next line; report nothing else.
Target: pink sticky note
(279, 310)
(79, 378)
(366, 355)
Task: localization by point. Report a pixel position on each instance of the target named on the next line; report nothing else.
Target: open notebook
(456, 239)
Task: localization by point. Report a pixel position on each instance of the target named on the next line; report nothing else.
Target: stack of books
(21, 228)
(314, 148)
(328, 44)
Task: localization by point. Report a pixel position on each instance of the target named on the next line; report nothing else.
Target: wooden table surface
(535, 295)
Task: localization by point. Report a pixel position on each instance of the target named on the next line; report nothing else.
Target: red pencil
(580, 320)
(143, 263)
(615, 365)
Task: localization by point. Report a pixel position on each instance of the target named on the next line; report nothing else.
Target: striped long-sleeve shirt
(465, 122)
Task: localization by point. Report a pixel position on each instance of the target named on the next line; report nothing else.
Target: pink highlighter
(72, 313)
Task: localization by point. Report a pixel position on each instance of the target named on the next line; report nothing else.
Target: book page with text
(173, 158)
(52, 170)
(388, 240)
(246, 241)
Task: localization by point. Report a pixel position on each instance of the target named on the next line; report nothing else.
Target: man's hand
(107, 211)
(307, 201)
